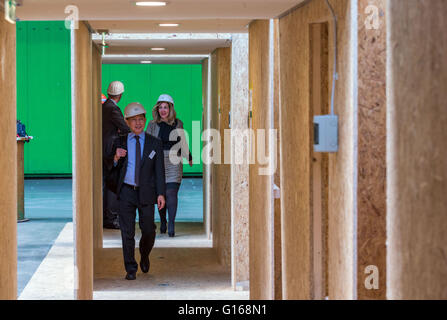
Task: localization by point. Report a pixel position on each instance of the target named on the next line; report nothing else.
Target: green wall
(144, 83)
(44, 94)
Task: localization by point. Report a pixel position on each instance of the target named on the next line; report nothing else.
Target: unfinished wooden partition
(277, 174)
(8, 161)
(372, 170)
(239, 161)
(261, 225)
(334, 205)
(97, 151)
(417, 153)
(82, 160)
(297, 155)
(206, 120)
(221, 173)
(319, 104)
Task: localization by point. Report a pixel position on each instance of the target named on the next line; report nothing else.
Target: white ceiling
(214, 17)
(182, 48)
(154, 59)
(218, 15)
(188, 26)
(180, 44)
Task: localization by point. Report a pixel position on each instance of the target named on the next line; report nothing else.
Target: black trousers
(170, 207)
(109, 205)
(127, 207)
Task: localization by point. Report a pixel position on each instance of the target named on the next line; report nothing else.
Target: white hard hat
(115, 88)
(134, 109)
(165, 98)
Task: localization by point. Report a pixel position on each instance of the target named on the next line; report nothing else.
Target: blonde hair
(172, 114)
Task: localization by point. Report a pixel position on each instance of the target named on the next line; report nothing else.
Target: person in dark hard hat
(113, 125)
(138, 165)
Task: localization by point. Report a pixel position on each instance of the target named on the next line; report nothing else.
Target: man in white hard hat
(138, 165)
(113, 125)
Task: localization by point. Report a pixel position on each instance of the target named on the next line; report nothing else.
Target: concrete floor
(183, 267)
(48, 205)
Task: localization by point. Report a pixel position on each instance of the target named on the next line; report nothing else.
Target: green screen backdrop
(145, 83)
(44, 95)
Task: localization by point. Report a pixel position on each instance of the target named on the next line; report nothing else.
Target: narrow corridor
(317, 130)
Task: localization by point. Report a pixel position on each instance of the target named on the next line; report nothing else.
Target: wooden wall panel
(239, 171)
(8, 161)
(222, 172)
(206, 121)
(416, 145)
(319, 104)
(82, 161)
(296, 183)
(97, 150)
(371, 199)
(277, 174)
(260, 224)
(214, 114)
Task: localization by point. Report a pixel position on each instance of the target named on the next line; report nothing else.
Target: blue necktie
(137, 161)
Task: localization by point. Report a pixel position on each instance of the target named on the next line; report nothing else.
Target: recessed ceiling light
(168, 24)
(158, 49)
(150, 3)
(147, 61)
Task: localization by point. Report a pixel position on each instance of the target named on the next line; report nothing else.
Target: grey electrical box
(326, 133)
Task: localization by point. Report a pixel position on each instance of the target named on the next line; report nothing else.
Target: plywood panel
(296, 155)
(221, 182)
(97, 150)
(215, 126)
(206, 121)
(277, 174)
(8, 161)
(224, 103)
(239, 170)
(260, 224)
(319, 104)
(83, 161)
(417, 156)
(371, 199)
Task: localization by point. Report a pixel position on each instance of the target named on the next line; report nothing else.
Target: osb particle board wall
(8, 161)
(97, 147)
(417, 153)
(239, 171)
(277, 174)
(371, 196)
(261, 259)
(319, 104)
(221, 183)
(83, 161)
(296, 155)
(206, 168)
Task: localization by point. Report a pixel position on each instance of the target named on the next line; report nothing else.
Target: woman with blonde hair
(169, 129)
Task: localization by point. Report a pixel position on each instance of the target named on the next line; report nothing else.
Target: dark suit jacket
(152, 172)
(112, 121)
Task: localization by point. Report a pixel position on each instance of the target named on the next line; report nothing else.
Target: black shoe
(145, 264)
(171, 234)
(131, 276)
(163, 229)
